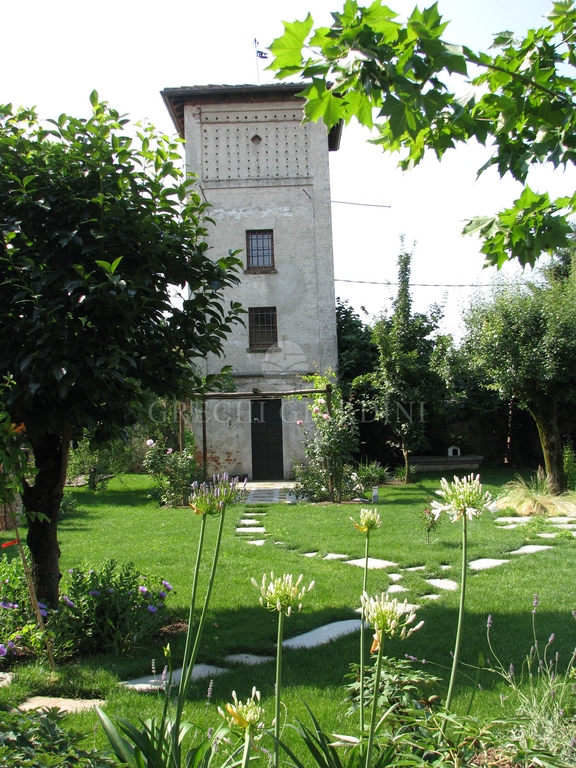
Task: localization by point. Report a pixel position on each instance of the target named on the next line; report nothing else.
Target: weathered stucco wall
(261, 169)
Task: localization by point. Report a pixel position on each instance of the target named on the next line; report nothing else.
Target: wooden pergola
(254, 394)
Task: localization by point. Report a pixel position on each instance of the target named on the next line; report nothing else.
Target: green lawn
(124, 524)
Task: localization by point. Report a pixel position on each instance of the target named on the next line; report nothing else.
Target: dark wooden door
(266, 429)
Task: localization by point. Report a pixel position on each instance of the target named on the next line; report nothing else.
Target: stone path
(253, 523)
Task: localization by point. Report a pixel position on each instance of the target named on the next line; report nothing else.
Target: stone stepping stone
(251, 529)
(445, 567)
(416, 568)
(153, 682)
(512, 520)
(257, 542)
(560, 520)
(248, 658)
(395, 576)
(264, 495)
(334, 556)
(430, 597)
(5, 678)
(485, 562)
(323, 634)
(447, 584)
(396, 588)
(65, 705)
(247, 521)
(566, 526)
(529, 549)
(547, 535)
(373, 563)
(310, 554)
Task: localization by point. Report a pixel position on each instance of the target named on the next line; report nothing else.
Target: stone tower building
(266, 176)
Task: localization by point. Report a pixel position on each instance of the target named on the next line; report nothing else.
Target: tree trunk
(544, 411)
(406, 455)
(42, 504)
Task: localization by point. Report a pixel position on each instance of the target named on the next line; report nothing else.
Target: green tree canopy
(357, 353)
(397, 78)
(97, 230)
(405, 382)
(522, 339)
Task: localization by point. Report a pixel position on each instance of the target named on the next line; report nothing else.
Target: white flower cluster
(282, 594)
(369, 520)
(462, 497)
(389, 617)
(246, 716)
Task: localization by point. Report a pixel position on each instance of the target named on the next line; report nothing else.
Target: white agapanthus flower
(282, 594)
(463, 497)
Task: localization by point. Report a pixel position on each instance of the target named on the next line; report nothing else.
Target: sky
(55, 53)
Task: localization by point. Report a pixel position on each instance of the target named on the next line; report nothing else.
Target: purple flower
(410, 658)
(143, 589)
(43, 613)
(94, 592)
(168, 451)
(69, 603)
(535, 604)
(489, 621)
(161, 594)
(110, 590)
(167, 586)
(152, 608)
(511, 670)
(3, 650)
(11, 645)
(150, 443)
(551, 638)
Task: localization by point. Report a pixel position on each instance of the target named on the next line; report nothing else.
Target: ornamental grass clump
(534, 497)
(463, 500)
(281, 594)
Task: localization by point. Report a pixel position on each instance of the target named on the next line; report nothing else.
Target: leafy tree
(395, 77)
(523, 339)
(405, 382)
(97, 229)
(357, 353)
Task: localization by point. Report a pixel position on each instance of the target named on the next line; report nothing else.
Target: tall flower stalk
(465, 500)
(282, 595)
(369, 521)
(389, 618)
(159, 742)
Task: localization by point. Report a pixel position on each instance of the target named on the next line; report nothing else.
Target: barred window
(262, 326)
(259, 249)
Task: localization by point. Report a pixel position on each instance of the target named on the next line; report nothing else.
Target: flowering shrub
(327, 475)
(172, 472)
(108, 610)
(430, 521)
(19, 634)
